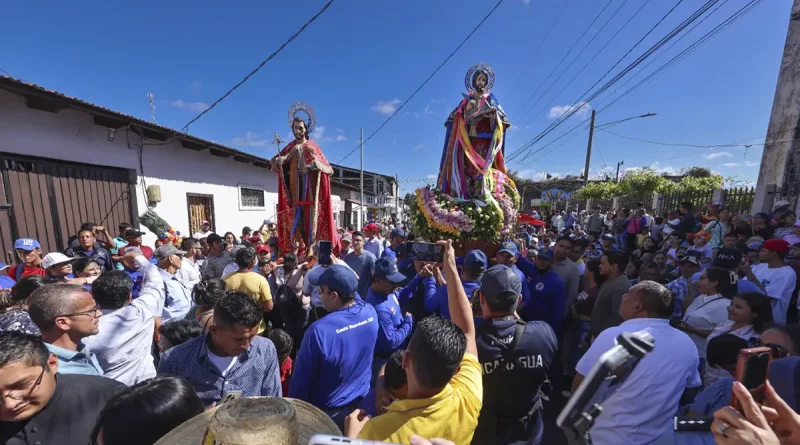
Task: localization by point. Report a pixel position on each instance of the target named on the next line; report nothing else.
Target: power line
(670, 144)
(565, 56)
(546, 35)
(425, 82)
(261, 65)
(574, 108)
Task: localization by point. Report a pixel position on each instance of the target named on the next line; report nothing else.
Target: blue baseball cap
(499, 279)
(387, 268)
(547, 254)
(26, 244)
(476, 257)
(338, 278)
(398, 232)
(607, 236)
(509, 247)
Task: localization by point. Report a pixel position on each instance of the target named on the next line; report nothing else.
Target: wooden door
(201, 208)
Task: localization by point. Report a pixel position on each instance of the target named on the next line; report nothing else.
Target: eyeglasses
(29, 392)
(778, 351)
(91, 313)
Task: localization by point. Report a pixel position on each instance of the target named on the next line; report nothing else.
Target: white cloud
(731, 164)
(741, 164)
(526, 2)
(386, 107)
(340, 136)
(319, 135)
(752, 164)
(433, 177)
(719, 155)
(197, 107)
(560, 110)
(655, 166)
(418, 147)
(197, 85)
(250, 139)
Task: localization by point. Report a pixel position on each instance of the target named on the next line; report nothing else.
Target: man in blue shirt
(362, 263)
(395, 328)
(475, 264)
(548, 295)
(231, 357)
(398, 237)
(507, 256)
(332, 370)
(66, 314)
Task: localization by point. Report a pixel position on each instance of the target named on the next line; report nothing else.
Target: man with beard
(548, 294)
(507, 256)
(606, 309)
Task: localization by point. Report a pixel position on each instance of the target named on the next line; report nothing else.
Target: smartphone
(428, 252)
(752, 366)
(325, 250)
(230, 397)
(322, 439)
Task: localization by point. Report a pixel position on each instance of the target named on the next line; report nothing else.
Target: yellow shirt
(253, 285)
(452, 414)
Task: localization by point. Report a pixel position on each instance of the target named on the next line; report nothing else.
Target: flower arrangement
(438, 216)
(172, 236)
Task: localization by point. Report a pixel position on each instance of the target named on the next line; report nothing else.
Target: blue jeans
(619, 241)
(575, 337)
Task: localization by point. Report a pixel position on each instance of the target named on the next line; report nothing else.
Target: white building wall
(71, 135)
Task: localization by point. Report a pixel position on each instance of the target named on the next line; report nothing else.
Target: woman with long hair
(748, 314)
(14, 316)
(205, 296)
(702, 314)
(230, 241)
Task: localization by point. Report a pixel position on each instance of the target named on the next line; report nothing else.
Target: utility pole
(618, 164)
(589, 150)
(780, 160)
(363, 220)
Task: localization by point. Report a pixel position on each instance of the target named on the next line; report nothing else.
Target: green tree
(598, 190)
(409, 199)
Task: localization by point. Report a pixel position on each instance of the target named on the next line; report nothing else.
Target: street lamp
(591, 136)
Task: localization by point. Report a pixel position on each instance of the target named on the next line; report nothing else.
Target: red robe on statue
(305, 211)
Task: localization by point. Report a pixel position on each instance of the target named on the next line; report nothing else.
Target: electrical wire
(671, 144)
(474, 30)
(261, 65)
(567, 55)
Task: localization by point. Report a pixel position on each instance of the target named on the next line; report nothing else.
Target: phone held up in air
(427, 252)
(322, 439)
(751, 370)
(325, 251)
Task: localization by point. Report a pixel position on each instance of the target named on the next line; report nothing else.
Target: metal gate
(49, 200)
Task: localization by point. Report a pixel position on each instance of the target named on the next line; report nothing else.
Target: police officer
(516, 357)
(548, 295)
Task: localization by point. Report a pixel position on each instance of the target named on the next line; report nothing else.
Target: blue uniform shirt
(526, 292)
(437, 303)
(547, 299)
(137, 278)
(334, 363)
(388, 252)
(394, 326)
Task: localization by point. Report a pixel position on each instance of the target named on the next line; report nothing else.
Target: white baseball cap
(55, 258)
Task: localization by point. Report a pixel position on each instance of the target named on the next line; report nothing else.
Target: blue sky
(361, 58)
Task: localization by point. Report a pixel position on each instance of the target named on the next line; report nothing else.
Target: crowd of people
(229, 338)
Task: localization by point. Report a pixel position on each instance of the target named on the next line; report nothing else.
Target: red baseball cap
(372, 227)
(262, 248)
(777, 245)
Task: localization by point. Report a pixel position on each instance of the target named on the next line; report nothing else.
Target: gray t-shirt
(214, 266)
(567, 270)
(364, 266)
(606, 308)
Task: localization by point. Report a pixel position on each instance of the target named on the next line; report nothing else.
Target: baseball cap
(534, 239)
(255, 238)
(26, 244)
(694, 259)
(347, 237)
(387, 268)
(398, 232)
(338, 278)
(781, 203)
(262, 248)
(728, 258)
(716, 203)
(164, 251)
(499, 279)
(54, 258)
(546, 254)
(372, 227)
(129, 249)
(3, 266)
(133, 232)
(607, 236)
(776, 245)
(509, 247)
(754, 245)
(205, 223)
(476, 257)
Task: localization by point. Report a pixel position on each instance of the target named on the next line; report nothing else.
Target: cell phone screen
(751, 371)
(428, 252)
(325, 249)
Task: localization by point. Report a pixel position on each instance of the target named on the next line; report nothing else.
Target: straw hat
(254, 421)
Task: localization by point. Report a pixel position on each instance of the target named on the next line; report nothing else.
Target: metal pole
(618, 164)
(363, 220)
(589, 150)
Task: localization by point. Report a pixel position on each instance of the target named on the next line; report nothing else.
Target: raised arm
(457, 301)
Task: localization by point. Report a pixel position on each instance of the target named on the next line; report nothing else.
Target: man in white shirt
(205, 230)
(190, 270)
(639, 410)
(773, 276)
(125, 336)
(373, 244)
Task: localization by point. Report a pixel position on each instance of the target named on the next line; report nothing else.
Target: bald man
(66, 314)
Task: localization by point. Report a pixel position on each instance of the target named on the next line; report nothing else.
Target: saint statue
(305, 211)
(474, 142)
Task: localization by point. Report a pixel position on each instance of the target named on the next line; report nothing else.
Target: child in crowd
(29, 252)
(283, 343)
(178, 332)
(701, 239)
(394, 380)
(632, 271)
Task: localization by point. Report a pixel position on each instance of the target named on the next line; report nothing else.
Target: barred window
(250, 197)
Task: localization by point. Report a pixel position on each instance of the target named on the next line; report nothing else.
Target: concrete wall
(71, 135)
